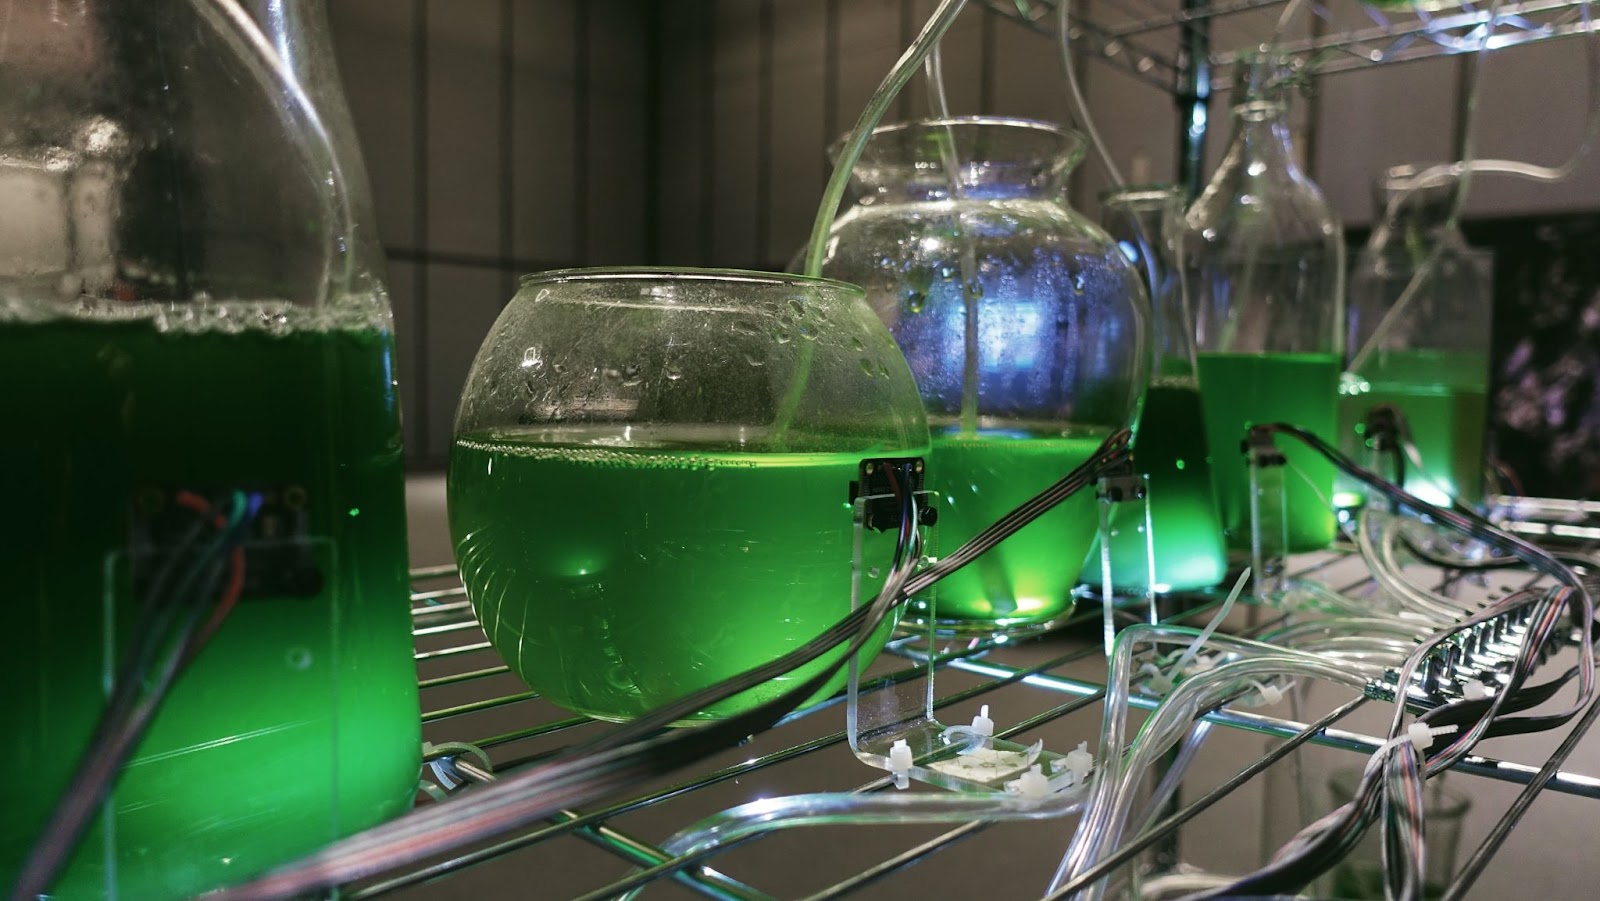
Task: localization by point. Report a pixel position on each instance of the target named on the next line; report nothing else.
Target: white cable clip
(979, 736)
(1269, 694)
(900, 763)
(1032, 784)
(981, 724)
(1159, 682)
(1475, 690)
(1421, 734)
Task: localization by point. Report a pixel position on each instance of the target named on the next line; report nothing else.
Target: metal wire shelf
(1155, 39)
(468, 696)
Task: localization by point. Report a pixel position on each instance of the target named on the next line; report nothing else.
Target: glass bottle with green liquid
(203, 455)
(1184, 548)
(1419, 330)
(1264, 263)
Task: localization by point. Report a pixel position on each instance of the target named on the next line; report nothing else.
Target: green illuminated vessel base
(1186, 535)
(1025, 583)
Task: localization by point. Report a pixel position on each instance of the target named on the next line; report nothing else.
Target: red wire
(235, 586)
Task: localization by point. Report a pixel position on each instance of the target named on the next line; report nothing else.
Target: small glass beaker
(1360, 876)
(650, 478)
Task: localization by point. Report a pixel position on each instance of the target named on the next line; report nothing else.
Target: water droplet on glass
(798, 307)
(780, 336)
(808, 331)
(866, 366)
(1078, 282)
(754, 360)
(631, 375)
(883, 369)
(559, 368)
(874, 572)
(613, 373)
(674, 373)
(916, 302)
(857, 344)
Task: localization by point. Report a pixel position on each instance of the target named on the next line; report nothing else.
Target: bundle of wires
(173, 626)
(1390, 791)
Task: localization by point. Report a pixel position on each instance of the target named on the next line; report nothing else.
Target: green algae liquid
(1026, 581)
(298, 723)
(1444, 398)
(1297, 388)
(616, 574)
(1186, 534)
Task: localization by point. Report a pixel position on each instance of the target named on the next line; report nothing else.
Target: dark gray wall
(509, 136)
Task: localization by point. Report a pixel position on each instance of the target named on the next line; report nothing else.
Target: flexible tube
(1088, 843)
(1075, 100)
(1463, 169)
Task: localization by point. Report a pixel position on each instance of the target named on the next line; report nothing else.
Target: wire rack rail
(1155, 40)
(1041, 688)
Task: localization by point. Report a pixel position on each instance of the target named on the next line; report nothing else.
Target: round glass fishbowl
(1025, 327)
(650, 481)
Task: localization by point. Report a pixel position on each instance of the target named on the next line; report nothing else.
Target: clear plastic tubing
(1377, 539)
(1107, 808)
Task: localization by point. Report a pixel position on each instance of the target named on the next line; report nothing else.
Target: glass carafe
(1024, 325)
(651, 473)
(1264, 260)
(203, 449)
(1429, 357)
(1185, 550)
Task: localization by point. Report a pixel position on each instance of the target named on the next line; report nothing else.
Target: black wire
(129, 712)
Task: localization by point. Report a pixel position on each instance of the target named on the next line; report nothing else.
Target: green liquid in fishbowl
(1186, 537)
(1297, 388)
(297, 723)
(1027, 579)
(651, 479)
(573, 546)
(1444, 398)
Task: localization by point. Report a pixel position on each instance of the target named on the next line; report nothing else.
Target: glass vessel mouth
(992, 150)
(685, 274)
(1263, 80)
(1138, 197)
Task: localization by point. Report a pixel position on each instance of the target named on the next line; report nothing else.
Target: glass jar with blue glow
(1025, 328)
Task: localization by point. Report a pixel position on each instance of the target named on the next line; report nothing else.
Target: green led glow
(1029, 576)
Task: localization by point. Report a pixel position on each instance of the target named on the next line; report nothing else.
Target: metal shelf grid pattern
(1152, 38)
(1048, 682)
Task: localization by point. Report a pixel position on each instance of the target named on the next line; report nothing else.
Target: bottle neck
(1261, 134)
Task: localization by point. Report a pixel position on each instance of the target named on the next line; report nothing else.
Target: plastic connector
(1032, 784)
(981, 724)
(1080, 761)
(900, 761)
(1267, 694)
(1475, 690)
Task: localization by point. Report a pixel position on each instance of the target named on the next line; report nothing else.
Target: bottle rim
(680, 274)
(1071, 148)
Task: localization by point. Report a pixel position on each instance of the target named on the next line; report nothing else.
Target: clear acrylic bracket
(959, 758)
(1125, 497)
(1269, 519)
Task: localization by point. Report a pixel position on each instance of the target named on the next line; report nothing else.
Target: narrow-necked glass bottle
(1264, 259)
(203, 449)
(1185, 541)
(1430, 355)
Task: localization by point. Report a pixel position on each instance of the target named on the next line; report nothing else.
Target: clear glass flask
(203, 448)
(1264, 260)
(650, 478)
(1170, 442)
(1025, 327)
(1430, 356)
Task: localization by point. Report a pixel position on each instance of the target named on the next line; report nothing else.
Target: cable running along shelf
(480, 721)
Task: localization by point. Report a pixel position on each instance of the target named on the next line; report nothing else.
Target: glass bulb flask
(650, 478)
(192, 320)
(1025, 328)
(1428, 356)
(1264, 264)
(1185, 550)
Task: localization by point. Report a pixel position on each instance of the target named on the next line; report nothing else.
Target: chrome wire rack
(479, 720)
(1155, 39)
